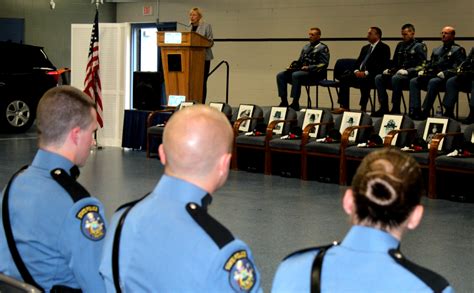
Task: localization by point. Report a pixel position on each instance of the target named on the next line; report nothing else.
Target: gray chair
(11, 285)
(427, 157)
(258, 145)
(459, 169)
(330, 152)
(353, 155)
(292, 148)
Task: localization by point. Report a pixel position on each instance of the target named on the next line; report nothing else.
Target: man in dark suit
(373, 59)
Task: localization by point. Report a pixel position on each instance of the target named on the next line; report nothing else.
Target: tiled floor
(274, 215)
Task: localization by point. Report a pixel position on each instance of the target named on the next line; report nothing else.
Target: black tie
(362, 65)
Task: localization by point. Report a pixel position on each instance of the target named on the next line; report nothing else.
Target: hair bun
(380, 191)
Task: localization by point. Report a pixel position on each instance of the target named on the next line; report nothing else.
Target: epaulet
(218, 233)
(131, 203)
(433, 280)
(69, 183)
(310, 249)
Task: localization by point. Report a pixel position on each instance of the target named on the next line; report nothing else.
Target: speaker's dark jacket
(378, 60)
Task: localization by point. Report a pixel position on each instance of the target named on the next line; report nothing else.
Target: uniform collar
(50, 161)
(314, 43)
(175, 189)
(448, 45)
(364, 238)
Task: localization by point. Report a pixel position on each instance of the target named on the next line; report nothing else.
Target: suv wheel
(17, 114)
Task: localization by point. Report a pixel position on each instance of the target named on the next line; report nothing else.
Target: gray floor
(274, 215)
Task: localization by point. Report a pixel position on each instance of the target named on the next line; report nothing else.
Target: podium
(183, 55)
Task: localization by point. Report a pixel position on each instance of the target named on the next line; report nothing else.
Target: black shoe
(395, 112)
(283, 103)
(379, 113)
(417, 114)
(295, 106)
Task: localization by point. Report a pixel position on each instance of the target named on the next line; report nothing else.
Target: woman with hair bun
(383, 203)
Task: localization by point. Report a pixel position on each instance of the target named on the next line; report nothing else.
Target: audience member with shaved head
(382, 204)
(168, 242)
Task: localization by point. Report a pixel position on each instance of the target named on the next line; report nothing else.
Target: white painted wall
(255, 64)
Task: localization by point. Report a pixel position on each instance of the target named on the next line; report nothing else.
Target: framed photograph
(245, 111)
(278, 113)
(434, 126)
(350, 119)
(389, 123)
(185, 104)
(312, 116)
(217, 106)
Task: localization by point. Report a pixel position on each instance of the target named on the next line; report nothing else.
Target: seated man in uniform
(308, 69)
(443, 62)
(464, 80)
(409, 55)
(383, 203)
(52, 231)
(167, 242)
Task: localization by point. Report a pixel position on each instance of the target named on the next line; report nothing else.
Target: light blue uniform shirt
(58, 246)
(361, 263)
(164, 249)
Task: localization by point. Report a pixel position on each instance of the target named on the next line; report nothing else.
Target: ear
(161, 153)
(74, 135)
(415, 217)
(348, 202)
(224, 163)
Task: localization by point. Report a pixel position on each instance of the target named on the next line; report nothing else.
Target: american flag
(92, 84)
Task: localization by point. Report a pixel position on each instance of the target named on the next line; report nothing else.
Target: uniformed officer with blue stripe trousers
(383, 203)
(167, 241)
(52, 229)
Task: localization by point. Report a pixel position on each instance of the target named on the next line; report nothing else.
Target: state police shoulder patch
(242, 275)
(92, 224)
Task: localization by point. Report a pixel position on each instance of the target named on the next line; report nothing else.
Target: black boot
(449, 112)
(295, 105)
(380, 112)
(283, 103)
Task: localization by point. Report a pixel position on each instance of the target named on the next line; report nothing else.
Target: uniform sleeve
(421, 54)
(234, 270)
(81, 243)
(320, 59)
(458, 57)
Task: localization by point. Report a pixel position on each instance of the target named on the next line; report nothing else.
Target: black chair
(340, 67)
(256, 147)
(427, 157)
(331, 152)
(457, 172)
(353, 155)
(315, 82)
(279, 150)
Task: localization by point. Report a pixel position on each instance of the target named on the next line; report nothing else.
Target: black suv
(25, 74)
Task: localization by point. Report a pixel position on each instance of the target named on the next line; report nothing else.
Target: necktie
(362, 65)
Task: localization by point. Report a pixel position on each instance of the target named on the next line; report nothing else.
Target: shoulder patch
(310, 249)
(69, 183)
(220, 234)
(242, 275)
(92, 224)
(433, 280)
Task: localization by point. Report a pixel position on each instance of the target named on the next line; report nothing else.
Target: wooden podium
(183, 55)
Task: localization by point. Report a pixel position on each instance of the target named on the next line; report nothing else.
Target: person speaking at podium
(204, 29)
